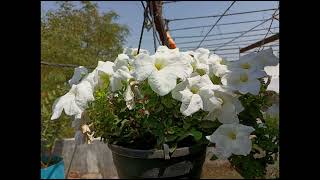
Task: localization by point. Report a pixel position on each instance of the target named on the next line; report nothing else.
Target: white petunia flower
(255, 63)
(78, 74)
(229, 108)
(162, 69)
(266, 58)
(118, 71)
(231, 139)
(105, 67)
(218, 67)
(241, 81)
(200, 61)
(122, 60)
(133, 52)
(92, 78)
(74, 102)
(121, 74)
(195, 93)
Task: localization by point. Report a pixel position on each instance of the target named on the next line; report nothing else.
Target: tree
(75, 35)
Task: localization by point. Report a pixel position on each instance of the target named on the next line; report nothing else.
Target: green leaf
(170, 138)
(209, 124)
(196, 134)
(186, 126)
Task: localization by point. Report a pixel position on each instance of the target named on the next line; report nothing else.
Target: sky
(131, 14)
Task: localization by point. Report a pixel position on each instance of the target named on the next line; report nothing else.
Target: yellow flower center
(201, 72)
(232, 135)
(159, 64)
(194, 90)
(245, 66)
(130, 67)
(193, 65)
(244, 78)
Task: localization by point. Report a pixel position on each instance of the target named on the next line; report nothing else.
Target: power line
(234, 32)
(167, 2)
(210, 45)
(244, 33)
(188, 42)
(238, 48)
(216, 22)
(220, 54)
(231, 14)
(269, 26)
(62, 65)
(220, 24)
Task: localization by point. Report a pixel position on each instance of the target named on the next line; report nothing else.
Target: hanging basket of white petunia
(170, 100)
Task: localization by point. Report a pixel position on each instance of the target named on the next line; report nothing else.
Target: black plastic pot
(184, 162)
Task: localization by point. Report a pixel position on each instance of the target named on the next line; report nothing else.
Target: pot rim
(155, 153)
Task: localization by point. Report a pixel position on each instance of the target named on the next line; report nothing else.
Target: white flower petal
(244, 130)
(193, 106)
(267, 58)
(115, 83)
(228, 114)
(122, 60)
(259, 74)
(84, 94)
(232, 139)
(129, 97)
(66, 102)
(123, 73)
(218, 69)
(237, 104)
(93, 78)
(144, 66)
(252, 86)
(186, 96)
(179, 65)
(106, 67)
(128, 94)
(161, 82)
(133, 52)
(57, 108)
(241, 146)
(242, 81)
(176, 91)
(202, 55)
(210, 102)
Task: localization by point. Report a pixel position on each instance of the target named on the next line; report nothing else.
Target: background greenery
(73, 35)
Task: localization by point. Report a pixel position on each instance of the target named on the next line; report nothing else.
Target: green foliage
(73, 35)
(81, 35)
(153, 121)
(267, 135)
(51, 130)
(248, 166)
